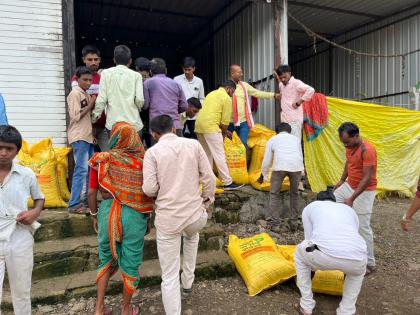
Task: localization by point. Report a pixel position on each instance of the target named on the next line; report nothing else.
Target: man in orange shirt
(357, 186)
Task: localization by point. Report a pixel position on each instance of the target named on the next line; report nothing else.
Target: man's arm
(226, 115)
(201, 94)
(343, 177)
(257, 93)
(139, 98)
(102, 99)
(146, 95)
(364, 183)
(150, 178)
(207, 177)
(182, 101)
(307, 224)
(267, 161)
(306, 90)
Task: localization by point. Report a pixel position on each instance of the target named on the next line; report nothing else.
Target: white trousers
(169, 247)
(16, 255)
(212, 144)
(311, 261)
(296, 129)
(363, 206)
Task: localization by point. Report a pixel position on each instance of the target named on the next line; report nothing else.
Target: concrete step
(58, 224)
(71, 255)
(210, 265)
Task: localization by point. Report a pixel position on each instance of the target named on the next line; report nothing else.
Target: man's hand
(341, 182)
(28, 217)
(228, 134)
(297, 104)
(349, 202)
(405, 223)
(92, 101)
(260, 179)
(95, 223)
(275, 75)
(277, 96)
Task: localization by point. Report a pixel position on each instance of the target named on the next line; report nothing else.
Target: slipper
(300, 309)
(108, 310)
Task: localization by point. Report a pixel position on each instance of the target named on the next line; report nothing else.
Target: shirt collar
(292, 78)
(121, 66)
(160, 75)
(15, 168)
(168, 136)
(78, 88)
(185, 78)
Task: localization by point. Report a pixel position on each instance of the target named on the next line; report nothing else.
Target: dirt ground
(393, 289)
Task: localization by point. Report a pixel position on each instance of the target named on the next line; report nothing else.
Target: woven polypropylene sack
(62, 167)
(236, 159)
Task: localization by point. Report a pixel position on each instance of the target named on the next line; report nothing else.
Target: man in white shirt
(172, 172)
(283, 153)
(332, 242)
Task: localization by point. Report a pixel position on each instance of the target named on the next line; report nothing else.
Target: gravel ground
(392, 289)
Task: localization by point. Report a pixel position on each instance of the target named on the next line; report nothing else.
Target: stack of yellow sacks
(50, 167)
(263, 264)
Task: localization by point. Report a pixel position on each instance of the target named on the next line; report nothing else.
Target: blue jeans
(242, 131)
(82, 152)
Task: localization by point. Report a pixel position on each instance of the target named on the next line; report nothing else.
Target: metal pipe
(284, 34)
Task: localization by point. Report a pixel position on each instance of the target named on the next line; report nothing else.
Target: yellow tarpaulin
(392, 130)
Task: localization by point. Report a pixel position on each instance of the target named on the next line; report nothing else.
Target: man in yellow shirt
(211, 128)
(241, 107)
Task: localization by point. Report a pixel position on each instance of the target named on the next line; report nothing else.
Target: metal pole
(284, 35)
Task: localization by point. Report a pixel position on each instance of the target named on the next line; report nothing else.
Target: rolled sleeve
(150, 178)
(35, 190)
(307, 91)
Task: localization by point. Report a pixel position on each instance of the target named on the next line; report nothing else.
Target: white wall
(31, 68)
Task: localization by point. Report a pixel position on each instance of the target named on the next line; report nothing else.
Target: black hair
(90, 49)
(283, 69)
(142, 64)
(283, 127)
(194, 102)
(158, 66)
(122, 55)
(229, 83)
(162, 124)
(81, 71)
(10, 134)
(349, 128)
(326, 195)
(188, 62)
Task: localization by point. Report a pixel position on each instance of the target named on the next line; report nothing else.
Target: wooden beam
(278, 58)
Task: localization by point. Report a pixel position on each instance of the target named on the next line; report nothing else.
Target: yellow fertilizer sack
(42, 160)
(236, 159)
(329, 282)
(259, 262)
(62, 166)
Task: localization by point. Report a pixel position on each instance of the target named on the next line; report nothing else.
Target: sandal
(107, 311)
(134, 310)
(300, 309)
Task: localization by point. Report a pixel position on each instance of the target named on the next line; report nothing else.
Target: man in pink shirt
(173, 170)
(293, 93)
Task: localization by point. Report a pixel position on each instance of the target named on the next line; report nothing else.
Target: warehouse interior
(173, 29)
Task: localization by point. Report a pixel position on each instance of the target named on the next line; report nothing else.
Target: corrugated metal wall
(247, 40)
(333, 71)
(31, 68)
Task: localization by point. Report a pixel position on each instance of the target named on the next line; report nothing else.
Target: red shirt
(93, 90)
(364, 155)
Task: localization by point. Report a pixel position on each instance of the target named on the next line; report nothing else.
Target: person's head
(125, 137)
(194, 107)
(236, 73)
(84, 77)
(326, 195)
(229, 86)
(161, 125)
(122, 55)
(349, 135)
(283, 127)
(91, 57)
(188, 65)
(10, 144)
(158, 66)
(143, 67)
(284, 72)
